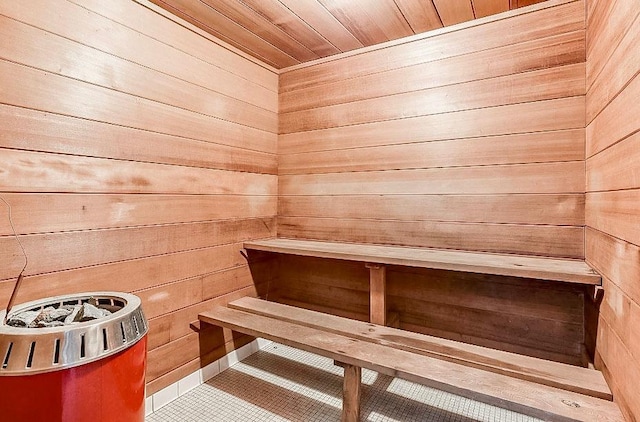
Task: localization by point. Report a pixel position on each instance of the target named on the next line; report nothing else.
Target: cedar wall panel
(137, 155)
(613, 190)
(441, 141)
(537, 318)
(469, 139)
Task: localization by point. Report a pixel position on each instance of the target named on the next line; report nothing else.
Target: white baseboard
(195, 379)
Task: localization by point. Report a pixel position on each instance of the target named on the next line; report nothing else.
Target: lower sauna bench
(543, 389)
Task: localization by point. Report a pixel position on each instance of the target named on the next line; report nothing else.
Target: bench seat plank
(543, 268)
(568, 377)
(522, 396)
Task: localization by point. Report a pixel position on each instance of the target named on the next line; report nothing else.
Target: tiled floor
(280, 383)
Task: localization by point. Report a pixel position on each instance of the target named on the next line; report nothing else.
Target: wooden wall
(613, 190)
(532, 317)
(466, 139)
(137, 155)
(443, 141)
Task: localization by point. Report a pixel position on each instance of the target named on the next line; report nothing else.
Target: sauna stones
(57, 317)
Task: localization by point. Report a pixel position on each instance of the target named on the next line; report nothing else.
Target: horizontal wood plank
(92, 102)
(132, 275)
(615, 168)
(617, 121)
(551, 209)
(33, 130)
(615, 259)
(181, 54)
(566, 177)
(556, 82)
(616, 73)
(66, 250)
(607, 24)
(192, 41)
(521, 266)
(550, 241)
(101, 69)
(560, 114)
(46, 213)
(562, 49)
(41, 172)
(615, 213)
(507, 149)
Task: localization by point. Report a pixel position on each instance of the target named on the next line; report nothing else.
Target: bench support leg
(378, 294)
(351, 393)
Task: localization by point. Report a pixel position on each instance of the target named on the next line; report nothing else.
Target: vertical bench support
(351, 393)
(378, 293)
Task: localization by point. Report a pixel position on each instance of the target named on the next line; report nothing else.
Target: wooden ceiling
(283, 33)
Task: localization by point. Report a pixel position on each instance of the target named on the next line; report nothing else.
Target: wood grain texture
(422, 16)
(616, 72)
(615, 168)
(560, 114)
(491, 61)
(517, 209)
(511, 239)
(454, 11)
(372, 146)
(102, 69)
(182, 54)
(557, 19)
(507, 149)
(217, 24)
(27, 129)
(283, 32)
(585, 381)
(208, 49)
(612, 213)
(49, 213)
(557, 82)
(443, 375)
(372, 255)
(351, 392)
(482, 8)
(92, 102)
(608, 23)
(615, 122)
(321, 20)
(129, 151)
(520, 178)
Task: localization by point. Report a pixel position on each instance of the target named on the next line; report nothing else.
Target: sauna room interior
(385, 161)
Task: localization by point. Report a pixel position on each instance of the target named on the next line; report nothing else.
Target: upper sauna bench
(543, 268)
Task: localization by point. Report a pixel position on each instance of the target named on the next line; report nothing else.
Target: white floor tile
(280, 383)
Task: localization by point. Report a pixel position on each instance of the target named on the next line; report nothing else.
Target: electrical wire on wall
(14, 293)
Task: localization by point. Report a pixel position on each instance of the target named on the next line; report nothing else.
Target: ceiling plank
(320, 19)
(249, 19)
(454, 11)
(353, 16)
(421, 14)
(484, 8)
(279, 15)
(523, 3)
(210, 20)
(388, 17)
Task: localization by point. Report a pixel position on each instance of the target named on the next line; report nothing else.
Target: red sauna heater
(90, 371)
